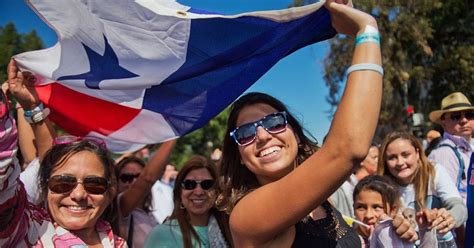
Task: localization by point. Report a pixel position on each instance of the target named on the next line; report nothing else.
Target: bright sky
(297, 80)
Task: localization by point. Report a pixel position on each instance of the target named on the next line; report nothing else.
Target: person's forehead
(81, 163)
(132, 166)
(198, 173)
(399, 144)
(254, 112)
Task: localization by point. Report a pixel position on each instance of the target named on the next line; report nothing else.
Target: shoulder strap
(130, 232)
(461, 174)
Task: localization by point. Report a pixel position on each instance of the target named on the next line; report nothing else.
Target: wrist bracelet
(367, 37)
(36, 115)
(370, 34)
(39, 108)
(365, 66)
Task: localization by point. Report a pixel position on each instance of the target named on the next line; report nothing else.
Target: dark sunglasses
(61, 184)
(456, 116)
(70, 139)
(272, 123)
(189, 184)
(128, 178)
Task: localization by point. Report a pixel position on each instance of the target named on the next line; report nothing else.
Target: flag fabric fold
(143, 72)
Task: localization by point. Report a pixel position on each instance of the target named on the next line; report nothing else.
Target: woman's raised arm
(137, 192)
(268, 211)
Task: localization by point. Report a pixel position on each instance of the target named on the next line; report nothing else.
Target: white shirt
(161, 201)
(435, 197)
(30, 179)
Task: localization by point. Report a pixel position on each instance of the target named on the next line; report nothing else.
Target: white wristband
(38, 116)
(366, 66)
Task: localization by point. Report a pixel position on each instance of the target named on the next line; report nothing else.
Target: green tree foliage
(11, 43)
(202, 141)
(427, 47)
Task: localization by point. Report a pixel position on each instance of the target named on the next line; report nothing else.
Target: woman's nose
(262, 134)
(400, 161)
(79, 192)
(198, 190)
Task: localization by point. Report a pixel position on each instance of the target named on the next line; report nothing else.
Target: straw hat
(454, 102)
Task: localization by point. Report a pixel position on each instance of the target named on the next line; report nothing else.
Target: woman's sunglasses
(189, 184)
(272, 123)
(456, 116)
(62, 184)
(128, 178)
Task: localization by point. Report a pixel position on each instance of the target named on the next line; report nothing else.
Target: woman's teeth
(269, 151)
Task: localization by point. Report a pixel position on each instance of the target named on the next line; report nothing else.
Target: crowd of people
(273, 186)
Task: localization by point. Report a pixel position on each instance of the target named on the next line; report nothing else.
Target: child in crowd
(375, 199)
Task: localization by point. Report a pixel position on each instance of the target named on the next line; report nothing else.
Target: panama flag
(146, 71)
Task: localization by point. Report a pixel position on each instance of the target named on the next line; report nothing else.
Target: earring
(300, 147)
(181, 206)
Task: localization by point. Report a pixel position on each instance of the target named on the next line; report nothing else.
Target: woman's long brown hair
(425, 173)
(238, 180)
(181, 215)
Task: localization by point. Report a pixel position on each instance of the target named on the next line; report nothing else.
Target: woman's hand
(21, 85)
(403, 228)
(347, 20)
(443, 220)
(424, 218)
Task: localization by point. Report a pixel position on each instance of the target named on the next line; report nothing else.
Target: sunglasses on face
(61, 184)
(456, 116)
(128, 178)
(189, 184)
(71, 139)
(272, 123)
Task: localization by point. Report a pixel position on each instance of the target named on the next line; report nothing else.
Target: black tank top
(331, 231)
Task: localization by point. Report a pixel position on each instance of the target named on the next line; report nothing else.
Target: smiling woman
(77, 181)
(78, 184)
(68, 185)
(277, 180)
(423, 186)
(195, 222)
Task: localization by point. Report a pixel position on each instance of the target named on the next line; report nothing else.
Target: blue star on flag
(102, 67)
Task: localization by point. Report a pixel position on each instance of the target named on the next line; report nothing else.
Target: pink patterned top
(23, 224)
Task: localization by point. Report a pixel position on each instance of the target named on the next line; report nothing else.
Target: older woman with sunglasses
(78, 183)
(276, 176)
(195, 222)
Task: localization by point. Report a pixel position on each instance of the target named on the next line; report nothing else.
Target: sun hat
(454, 102)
